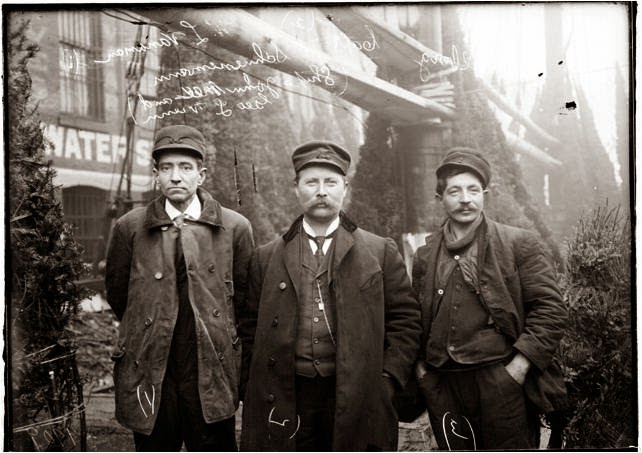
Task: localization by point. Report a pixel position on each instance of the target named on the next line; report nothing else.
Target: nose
(322, 192)
(465, 197)
(175, 175)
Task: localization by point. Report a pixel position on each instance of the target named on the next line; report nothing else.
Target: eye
(475, 190)
(186, 167)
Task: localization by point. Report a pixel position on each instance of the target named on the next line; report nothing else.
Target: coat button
(211, 268)
(275, 321)
(158, 275)
(440, 291)
(451, 348)
(148, 322)
(221, 356)
(315, 319)
(137, 363)
(270, 398)
(317, 362)
(315, 341)
(456, 257)
(271, 361)
(282, 286)
(216, 313)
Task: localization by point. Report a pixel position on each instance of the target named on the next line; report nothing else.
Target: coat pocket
(371, 280)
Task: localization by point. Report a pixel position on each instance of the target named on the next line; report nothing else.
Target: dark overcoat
(378, 329)
(141, 289)
(519, 290)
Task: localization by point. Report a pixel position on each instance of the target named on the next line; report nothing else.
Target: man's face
(463, 198)
(320, 191)
(179, 176)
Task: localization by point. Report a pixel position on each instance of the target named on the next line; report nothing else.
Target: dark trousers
(180, 419)
(315, 403)
(481, 408)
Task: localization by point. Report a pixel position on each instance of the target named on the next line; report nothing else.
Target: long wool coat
(141, 289)
(378, 329)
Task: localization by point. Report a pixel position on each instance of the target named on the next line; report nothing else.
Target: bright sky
(508, 39)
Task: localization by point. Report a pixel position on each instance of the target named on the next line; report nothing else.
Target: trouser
(315, 403)
(481, 408)
(180, 419)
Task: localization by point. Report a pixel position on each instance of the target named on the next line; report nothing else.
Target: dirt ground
(105, 434)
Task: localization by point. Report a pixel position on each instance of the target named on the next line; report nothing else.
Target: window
(81, 84)
(84, 208)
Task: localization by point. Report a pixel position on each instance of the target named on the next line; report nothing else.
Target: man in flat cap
(335, 327)
(492, 316)
(176, 278)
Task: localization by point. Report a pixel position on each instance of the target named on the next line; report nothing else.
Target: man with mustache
(335, 327)
(492, 316)
(176, 279)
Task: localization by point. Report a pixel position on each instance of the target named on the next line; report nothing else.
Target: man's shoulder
(509, 231)
(232, 217)
(134, 217)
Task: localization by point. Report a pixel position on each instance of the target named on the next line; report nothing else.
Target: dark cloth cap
(179, 137)
(468, 158)
(321, 153)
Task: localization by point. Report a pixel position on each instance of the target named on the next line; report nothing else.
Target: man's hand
(420, 370)
(518, 367)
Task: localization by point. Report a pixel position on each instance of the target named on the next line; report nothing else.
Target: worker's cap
(179, 137)
(467, 158)
(321, 153)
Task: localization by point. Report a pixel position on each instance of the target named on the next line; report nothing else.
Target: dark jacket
(378, 329)
(518, 289)
(141, 289)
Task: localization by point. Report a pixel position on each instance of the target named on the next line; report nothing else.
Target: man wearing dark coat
(335, 327)
(493, 317)
(176, 278)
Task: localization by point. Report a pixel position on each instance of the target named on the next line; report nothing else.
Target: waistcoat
(315, 350)
(462, 330)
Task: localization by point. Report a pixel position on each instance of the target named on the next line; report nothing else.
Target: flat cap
(321, 153)
(179, 137)
(468, 158)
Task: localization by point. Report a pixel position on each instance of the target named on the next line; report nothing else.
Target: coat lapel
(344, 242)
(291, 254)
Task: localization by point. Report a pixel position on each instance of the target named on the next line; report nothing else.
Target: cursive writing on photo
(456, 61)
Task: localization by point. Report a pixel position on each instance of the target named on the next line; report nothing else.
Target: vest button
(148, 322)
(317, 300)
(315, 341)
(270, 398)
(440, 291)
(221, 356)
(452, 328)
(315, 319)
(158, 275)
(271, 361)
(211, 268)
(282, 286)
(275, 321)
(164, 227)
(216, 313)
(456, 257)
(451, 348)
(317, 362)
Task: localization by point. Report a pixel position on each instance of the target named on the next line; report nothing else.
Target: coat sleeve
(402, 317)
(247, 319)
(243, 249)
(117, 269)
(544, 308)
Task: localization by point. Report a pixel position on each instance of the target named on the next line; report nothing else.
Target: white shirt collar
(331, 229)
(193, 211)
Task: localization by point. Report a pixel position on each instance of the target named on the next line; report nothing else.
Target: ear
(202, 173)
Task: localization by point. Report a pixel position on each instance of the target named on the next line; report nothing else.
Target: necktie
(179, 220)
(319, 241)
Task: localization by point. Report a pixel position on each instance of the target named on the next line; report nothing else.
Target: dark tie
(319, 241)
